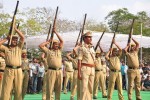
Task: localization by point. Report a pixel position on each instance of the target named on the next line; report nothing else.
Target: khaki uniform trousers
(53, 84)
(99, 78)
(25, 75)
(69, 76)
(104, 74)
(87, 74)
(75, 85)
(1, 81)
(12, 76)
(44, 87)
(115, 77)
(134, 80)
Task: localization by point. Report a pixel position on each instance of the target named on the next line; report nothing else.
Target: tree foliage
(124, 17)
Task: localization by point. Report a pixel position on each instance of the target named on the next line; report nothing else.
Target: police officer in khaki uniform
(43, 58)
(25, 71)
(99, 77)
(54, 61)
(115, 74)
(68, 67)
(13, 71)
(2, 67)
(133, 71)
(86, 67)
(104, 70)
(76, 81)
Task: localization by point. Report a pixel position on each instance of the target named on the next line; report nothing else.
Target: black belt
(113, 70)
(54, 68)
(69, 71)
(133, 68)
(75, 68)
(99, 70)
(1, 70)
(25, 70)
(13, 67)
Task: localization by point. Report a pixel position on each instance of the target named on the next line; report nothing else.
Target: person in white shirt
(40, 74)
(34, 69)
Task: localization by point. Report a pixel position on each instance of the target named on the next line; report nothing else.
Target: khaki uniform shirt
(54, 58)
(132, 59)
(115, 62)
(13, 55)
(2, 63)
(45, 63)
(68, 66)
(98, 65)
(25, 64)
(104, 68)
(86, 54)
(74, 62)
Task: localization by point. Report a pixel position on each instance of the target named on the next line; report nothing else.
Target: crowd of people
(83, 71)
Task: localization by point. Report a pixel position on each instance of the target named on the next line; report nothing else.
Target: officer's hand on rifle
(49, 40)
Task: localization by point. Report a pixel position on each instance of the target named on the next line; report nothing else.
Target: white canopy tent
(71, 37)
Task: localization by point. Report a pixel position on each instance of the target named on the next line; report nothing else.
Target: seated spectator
(146, 84)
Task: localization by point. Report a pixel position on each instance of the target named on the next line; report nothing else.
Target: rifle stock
(54, 24)
(99, 41)
(114, 35)
(13, 24)
(131, 32)
(82, 31)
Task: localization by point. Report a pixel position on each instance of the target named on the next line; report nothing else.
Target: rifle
(54, 23)
(82, 31)
(98, 43)
(11, 30)
(78, 37)
(131, 31)
(49, 32)
(114, 35)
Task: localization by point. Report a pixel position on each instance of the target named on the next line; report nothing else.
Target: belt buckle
(57, 68)
(14, 67)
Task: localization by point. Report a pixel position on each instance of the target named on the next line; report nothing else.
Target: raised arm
(19, 33)
(60, 39)
(126, 48)
(44, 44)
(137, 44)
(108, 53)
(117, 45)
(68, 55)
(75, 50)
(4, 40)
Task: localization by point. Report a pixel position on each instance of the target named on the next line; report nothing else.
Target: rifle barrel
(82, 32)
(99, 40)
(114, 34)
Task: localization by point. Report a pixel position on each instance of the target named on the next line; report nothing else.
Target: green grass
(145, 96)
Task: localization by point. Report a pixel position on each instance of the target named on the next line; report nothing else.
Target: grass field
(145, 96)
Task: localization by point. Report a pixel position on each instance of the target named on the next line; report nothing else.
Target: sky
(75, 9)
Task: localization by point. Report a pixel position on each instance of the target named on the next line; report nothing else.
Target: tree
(4, 23)
(124, 17)
(95, 26)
